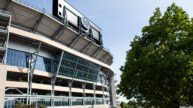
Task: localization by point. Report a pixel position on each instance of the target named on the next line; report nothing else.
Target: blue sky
(120, 20)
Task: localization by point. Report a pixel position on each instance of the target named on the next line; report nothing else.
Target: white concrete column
(94, 88)
(3, 76)
(70, 93)
(113, 91)
(52, 92)
(84, 94)
(103, 93)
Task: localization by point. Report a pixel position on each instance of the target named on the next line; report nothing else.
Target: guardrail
(12, 100)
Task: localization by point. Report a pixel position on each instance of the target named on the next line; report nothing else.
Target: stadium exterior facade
(52, 60)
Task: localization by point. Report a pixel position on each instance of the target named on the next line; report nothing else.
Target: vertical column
(3, 76)
(103, 93)
(7, 40)
(94, 88)
(52, 92)
(112, 91)
(53, 79)
(32, 66)
(70, 93)
(84, 94)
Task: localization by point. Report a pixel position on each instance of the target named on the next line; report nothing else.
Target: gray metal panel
(67, 37)
(48, 26)
(101, 54)
(81, 44)
(22, 15)
(92, 49)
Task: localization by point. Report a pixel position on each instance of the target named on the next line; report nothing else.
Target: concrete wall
(3, 76)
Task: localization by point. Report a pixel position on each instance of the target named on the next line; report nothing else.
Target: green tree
(159, 66)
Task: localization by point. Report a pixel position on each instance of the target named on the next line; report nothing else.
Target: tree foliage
(159, 66)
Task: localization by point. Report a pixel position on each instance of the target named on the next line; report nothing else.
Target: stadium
(57, 60)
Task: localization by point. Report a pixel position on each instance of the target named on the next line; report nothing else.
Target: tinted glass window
(20, 59)
(17, 58)
(79, 68)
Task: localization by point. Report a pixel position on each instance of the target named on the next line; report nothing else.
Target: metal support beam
(75, 41)
(84, 85)
(60, 30)
(70, 93)
(37, 23)
(103, 93)
(14, 89)
(7, 42)
(53, 80)
(74, 71)
(31, 68)
(85, 49)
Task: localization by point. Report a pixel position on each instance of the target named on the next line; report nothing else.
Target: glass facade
(77, 67)
(17, 58)
(71, 65)
(21, 59)
(103, 79)
(44, 64)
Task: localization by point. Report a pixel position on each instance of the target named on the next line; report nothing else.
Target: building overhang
(45, 25)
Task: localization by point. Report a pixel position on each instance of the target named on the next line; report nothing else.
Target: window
(77, 67)
(71, 65)
(17, 58)
(43, 64)
(20, 59)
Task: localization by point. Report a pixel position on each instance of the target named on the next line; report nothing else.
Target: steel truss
(54, 77)
(31, 67)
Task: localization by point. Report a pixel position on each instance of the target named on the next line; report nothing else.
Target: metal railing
(11, 101)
